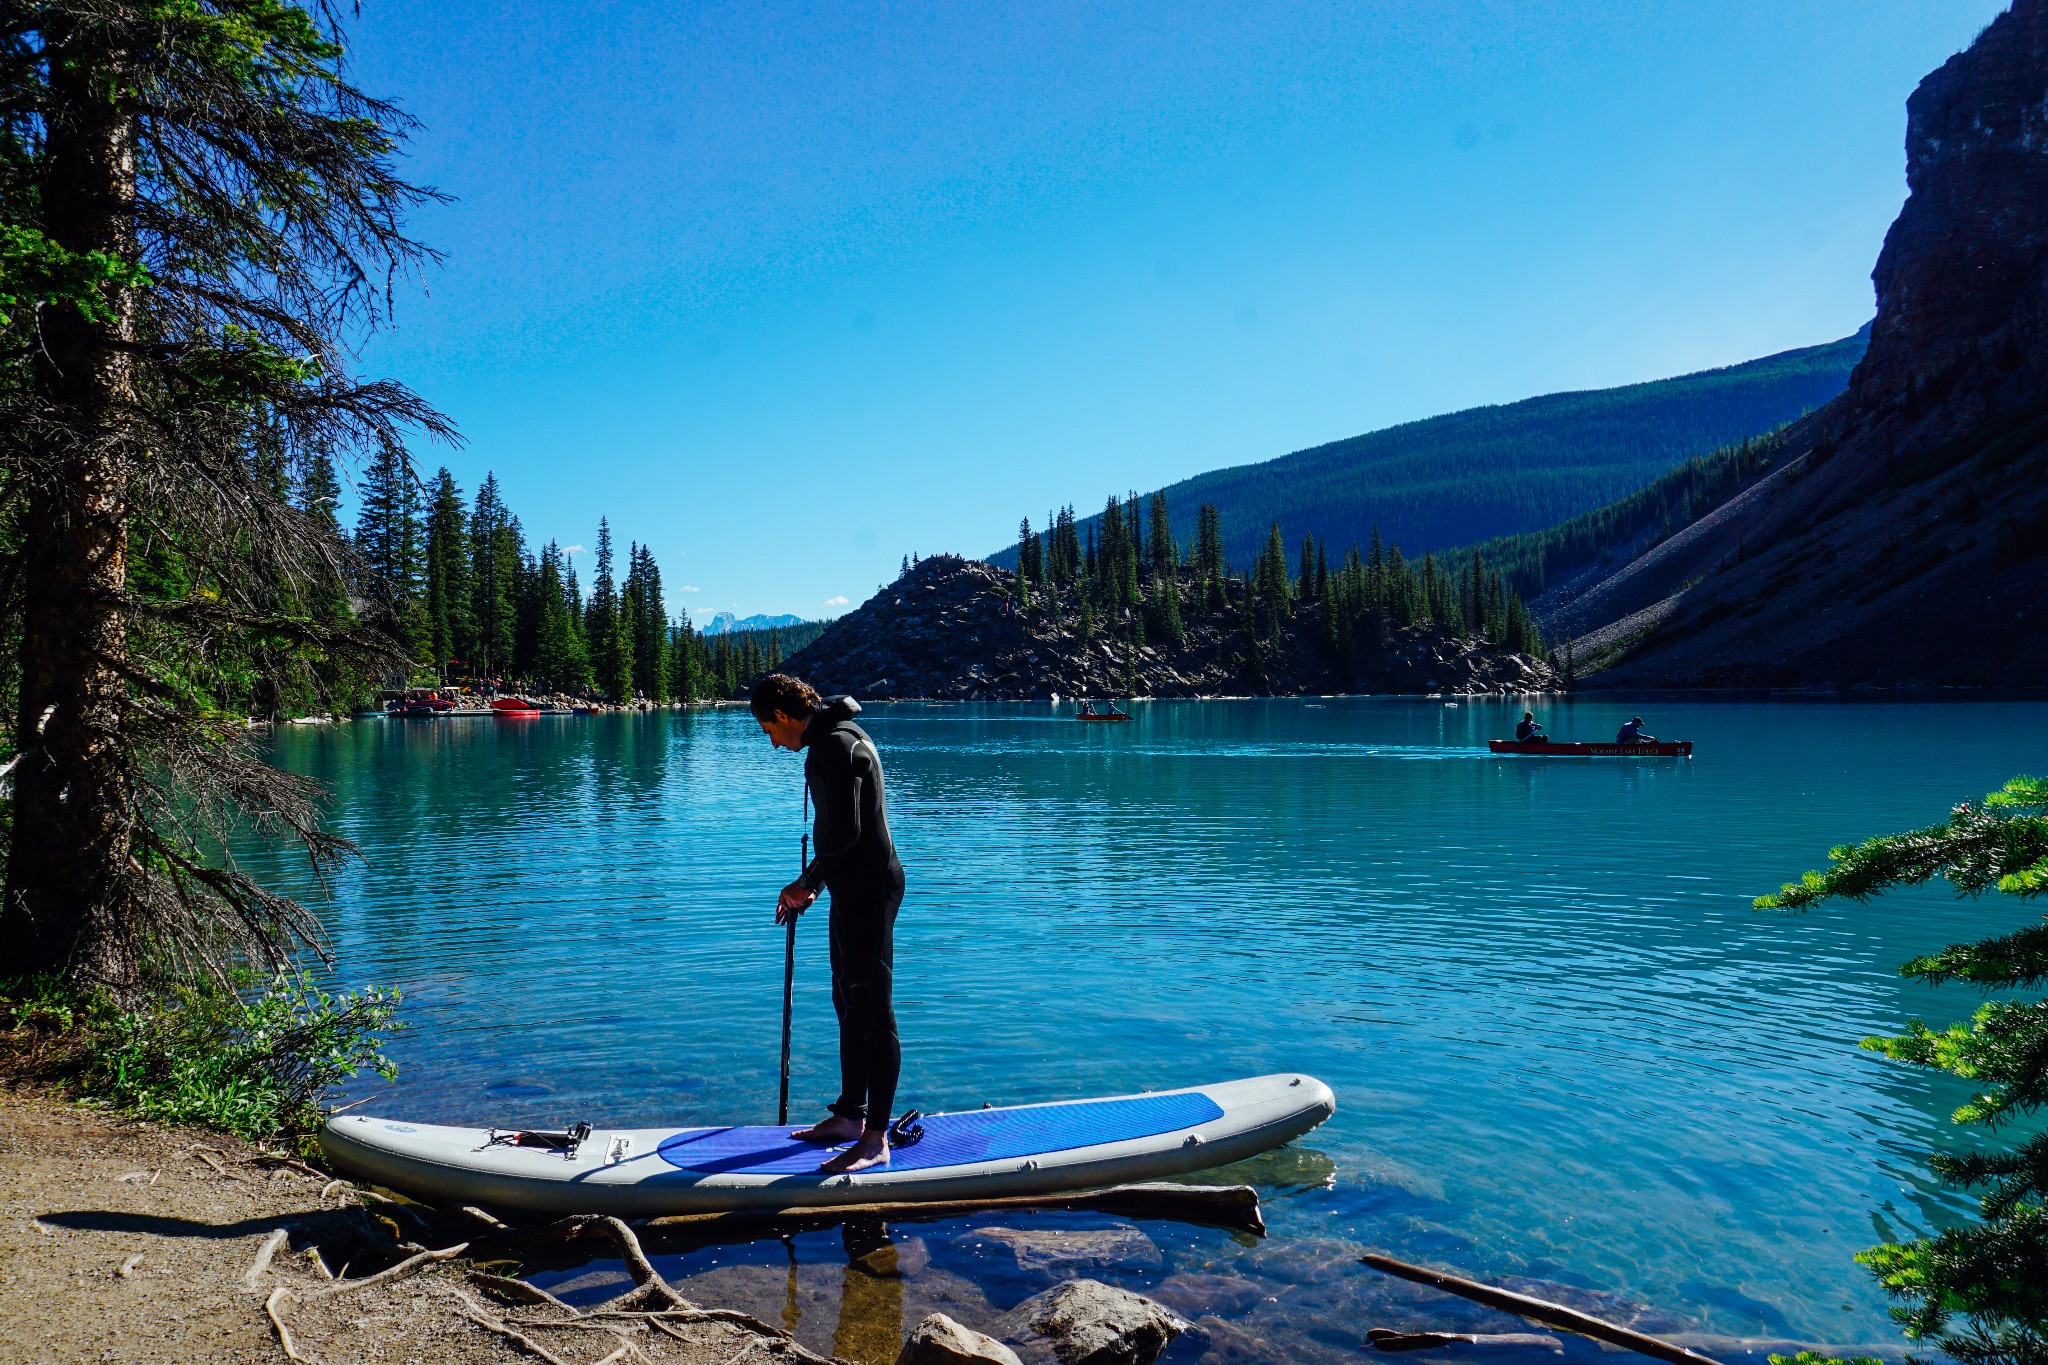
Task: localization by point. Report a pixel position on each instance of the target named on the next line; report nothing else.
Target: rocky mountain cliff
(953, 629)
(1904, 541)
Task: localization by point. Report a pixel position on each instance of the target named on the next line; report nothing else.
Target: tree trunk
(70, 879)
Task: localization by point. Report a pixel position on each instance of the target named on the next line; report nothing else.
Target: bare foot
(871, 1150)
(831, 1131)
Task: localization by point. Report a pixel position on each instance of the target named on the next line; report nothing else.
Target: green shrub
(250, 1058)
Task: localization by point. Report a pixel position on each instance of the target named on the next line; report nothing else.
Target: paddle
(789, 965)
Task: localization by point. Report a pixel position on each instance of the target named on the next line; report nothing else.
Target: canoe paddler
(1529, 729)
(854, 859)
(1631, 732)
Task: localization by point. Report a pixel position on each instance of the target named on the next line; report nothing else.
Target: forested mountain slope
(1902, 537)
(1494, 471)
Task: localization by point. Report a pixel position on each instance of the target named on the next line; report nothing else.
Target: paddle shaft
(789, 966)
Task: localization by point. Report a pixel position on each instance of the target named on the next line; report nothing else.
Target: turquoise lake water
(1564, 1047)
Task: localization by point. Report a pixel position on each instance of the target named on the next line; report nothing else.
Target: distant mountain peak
(725, 623)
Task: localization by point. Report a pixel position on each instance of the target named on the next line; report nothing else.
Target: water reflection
(870, 1324)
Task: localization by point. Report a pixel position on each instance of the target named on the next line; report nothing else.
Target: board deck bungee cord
(973, 1154)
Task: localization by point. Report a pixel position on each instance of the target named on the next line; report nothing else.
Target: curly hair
(779, 694)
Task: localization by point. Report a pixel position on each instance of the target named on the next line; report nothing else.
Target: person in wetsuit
(854, 859)
(1529, 728)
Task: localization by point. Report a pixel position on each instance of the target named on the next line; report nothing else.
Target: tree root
(278, 1297)
(494, 1224)
(666, 1318)
(411, 1265)
(254, 1273)
(650, 1290)
(470, 1309)
(207, 1156)
(275, 1159)
(330, 1187)
(515, 1289)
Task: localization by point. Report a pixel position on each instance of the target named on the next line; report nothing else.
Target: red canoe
(514, 706)
(1676, 748)
(1120, 715)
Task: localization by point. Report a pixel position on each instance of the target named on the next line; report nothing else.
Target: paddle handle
(789, 967)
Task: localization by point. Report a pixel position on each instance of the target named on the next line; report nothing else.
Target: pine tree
(196, 207)
(320, 493)
(1027, 568)
(649, 630)
(560, 663)
(601, 624)
(1106, 547)
(1134, 527)
(1068, 562)
(391, 543)
(1210, 565)
(449, 622)
(1269, 583)
(617, 677)
(1165, 550)
(1992, 1274)
(491, 585)
(526, 599)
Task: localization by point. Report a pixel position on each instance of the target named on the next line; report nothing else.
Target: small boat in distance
(514, 706)
(1547, 748)
(1088, 712)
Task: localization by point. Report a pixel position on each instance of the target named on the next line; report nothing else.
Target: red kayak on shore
(514, 706)
(1674, 748)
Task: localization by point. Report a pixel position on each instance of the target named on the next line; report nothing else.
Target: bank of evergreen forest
(472, 600)
(1125, 572)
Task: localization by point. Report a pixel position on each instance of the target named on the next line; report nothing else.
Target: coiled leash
(566, 1142)
(907, 1131)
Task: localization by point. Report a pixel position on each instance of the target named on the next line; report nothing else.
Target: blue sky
(787, 291)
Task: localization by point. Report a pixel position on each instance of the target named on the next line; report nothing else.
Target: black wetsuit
(854, 859)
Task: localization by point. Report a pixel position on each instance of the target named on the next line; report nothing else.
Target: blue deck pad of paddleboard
(951, 1139)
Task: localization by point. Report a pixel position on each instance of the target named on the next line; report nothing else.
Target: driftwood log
(1540, 1310)
(1387, 1339)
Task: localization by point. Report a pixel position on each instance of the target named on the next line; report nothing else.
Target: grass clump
(251, 1056)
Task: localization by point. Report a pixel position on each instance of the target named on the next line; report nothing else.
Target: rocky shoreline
(954, 629)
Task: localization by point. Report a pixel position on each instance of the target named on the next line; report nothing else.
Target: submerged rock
(939, 1340)
(1086, 1322)
(1058, 1249)
(1195, 1294)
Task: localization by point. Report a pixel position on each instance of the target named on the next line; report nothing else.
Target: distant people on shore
(1632, 733)
(1529, 730)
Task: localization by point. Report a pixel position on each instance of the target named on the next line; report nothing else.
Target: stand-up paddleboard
(979, 1153)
